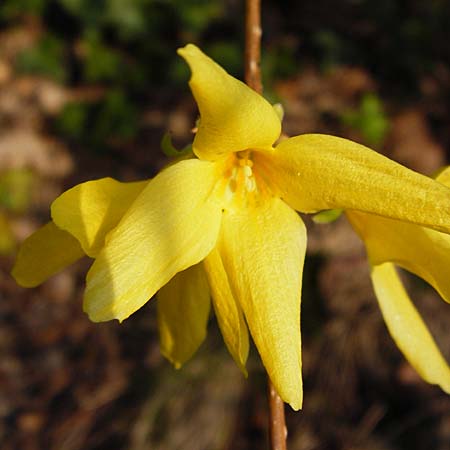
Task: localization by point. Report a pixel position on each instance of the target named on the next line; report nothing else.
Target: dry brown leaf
(22, 148)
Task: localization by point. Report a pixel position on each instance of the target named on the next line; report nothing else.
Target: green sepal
(169, 150)
(327, 216)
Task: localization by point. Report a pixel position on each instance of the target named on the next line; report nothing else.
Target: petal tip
(177, 363)
(296, 400)
(445, 387)
(40, 255)
(188, 50)
(22, 279)
(296, 406)
(105, 314)
(191, 53)
(242, 368)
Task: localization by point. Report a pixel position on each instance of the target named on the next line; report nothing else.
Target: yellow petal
(183, 311)
(314, 172)
(263, 248)
(233, 117)
(44, 253)
(90, 210)
(228, 311)
(443, 175)
(172, 225)
(420, 250)
(407, 328)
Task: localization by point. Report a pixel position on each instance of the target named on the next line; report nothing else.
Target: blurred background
(87, 90)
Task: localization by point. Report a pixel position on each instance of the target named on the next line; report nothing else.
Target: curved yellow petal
(233, 117)
(263, 248)
(90, 210)
(407, 327)
(314, 172)
(172, 225)
(420, 250)
(183, 311)
(47, 251)
(443, 175)
(228, 311)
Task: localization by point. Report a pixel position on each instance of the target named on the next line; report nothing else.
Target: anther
(250, 184)
(247, 171)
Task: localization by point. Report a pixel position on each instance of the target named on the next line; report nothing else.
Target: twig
(277, 423)
(253, 32)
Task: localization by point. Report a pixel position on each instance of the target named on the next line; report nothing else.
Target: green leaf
(327, 216)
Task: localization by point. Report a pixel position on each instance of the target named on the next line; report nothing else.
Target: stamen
(250, 184)
(247, 171)
(241, 179)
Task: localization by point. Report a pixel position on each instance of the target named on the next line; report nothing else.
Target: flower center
(241, 181)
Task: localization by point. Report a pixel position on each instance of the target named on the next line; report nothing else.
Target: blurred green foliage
(332, 47)
(128, 48)
(398, 41)
(197, 15)
(11, 9)
(280, 61)
(101, 63)
(369, 119)
(113, 119)
(15, 190)
(15, 197)
(73, 120)
(45, 58)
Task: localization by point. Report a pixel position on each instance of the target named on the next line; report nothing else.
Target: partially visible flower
(223, 224)
(425, 253)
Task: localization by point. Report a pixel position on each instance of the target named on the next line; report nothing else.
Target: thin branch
(277, 424)
(253, 32)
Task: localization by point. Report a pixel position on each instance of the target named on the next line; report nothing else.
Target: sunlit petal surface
(172, 225)
(407, 327)
(315, 172)
(263, 247)
(443, 175)
(228, 311)
(233, 117)
(90, 210)
(183, 310)
(420, 250)
(44, 253)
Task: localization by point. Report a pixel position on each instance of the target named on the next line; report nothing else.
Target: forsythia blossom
(422, 251)
(223, 226)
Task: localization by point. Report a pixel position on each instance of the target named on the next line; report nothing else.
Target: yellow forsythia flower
(224, 225)
(423, 252)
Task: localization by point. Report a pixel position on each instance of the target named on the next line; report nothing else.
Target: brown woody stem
(277, 423)
(253, 32)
